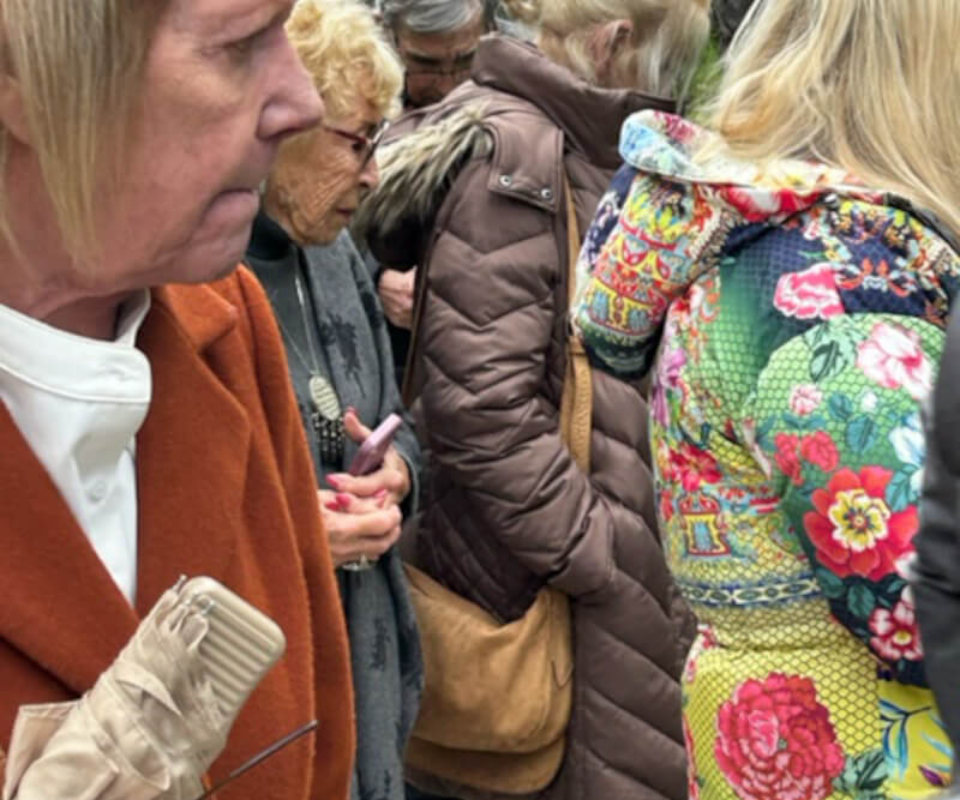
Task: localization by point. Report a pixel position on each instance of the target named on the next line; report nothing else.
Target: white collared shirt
(79, 403)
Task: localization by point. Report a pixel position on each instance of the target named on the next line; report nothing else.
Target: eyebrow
(256, 19)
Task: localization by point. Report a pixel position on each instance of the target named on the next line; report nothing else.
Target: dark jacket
(476, 197)
(938, 544)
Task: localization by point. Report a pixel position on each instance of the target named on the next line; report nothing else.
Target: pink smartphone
(374, 448)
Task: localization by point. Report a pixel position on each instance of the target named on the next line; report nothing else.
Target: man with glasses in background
(436, 40)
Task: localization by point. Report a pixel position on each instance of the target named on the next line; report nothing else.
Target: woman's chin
(212, 254)
(239, 207)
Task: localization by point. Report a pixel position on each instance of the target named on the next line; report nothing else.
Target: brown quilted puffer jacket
(475, 195)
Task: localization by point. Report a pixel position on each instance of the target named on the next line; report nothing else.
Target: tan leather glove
(149, 728)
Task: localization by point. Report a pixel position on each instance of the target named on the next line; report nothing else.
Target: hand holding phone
(369, 459)
(374, 448)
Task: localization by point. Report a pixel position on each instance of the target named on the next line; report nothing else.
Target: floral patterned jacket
(794, 320)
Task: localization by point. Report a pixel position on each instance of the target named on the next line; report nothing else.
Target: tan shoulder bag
(498, 697)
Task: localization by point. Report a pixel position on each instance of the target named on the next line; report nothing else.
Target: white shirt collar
(75, 366)
(79, 403)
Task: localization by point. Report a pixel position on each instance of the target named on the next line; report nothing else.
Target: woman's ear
(607, 44)
(13, 118)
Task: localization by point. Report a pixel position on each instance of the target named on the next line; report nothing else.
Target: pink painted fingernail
(331, 506)
(343, 500)
(334, 481)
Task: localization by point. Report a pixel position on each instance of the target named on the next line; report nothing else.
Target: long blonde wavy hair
(869, 86)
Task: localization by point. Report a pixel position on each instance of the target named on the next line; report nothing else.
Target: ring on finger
(362, 564)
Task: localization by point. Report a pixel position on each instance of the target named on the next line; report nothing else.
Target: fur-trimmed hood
(521, 113)
(417, 169)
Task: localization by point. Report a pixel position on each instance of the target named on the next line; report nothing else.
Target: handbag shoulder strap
(576, 404)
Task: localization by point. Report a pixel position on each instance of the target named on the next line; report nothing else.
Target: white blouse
(79, 403)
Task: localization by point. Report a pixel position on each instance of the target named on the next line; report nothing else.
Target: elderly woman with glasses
(339, 357)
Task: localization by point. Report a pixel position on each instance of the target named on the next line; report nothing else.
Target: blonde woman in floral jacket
(792, 308)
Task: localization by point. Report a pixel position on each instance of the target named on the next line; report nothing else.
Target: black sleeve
(938, 544)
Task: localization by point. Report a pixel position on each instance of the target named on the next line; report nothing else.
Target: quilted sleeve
(649, 256)
(488, 326)
(837, 421)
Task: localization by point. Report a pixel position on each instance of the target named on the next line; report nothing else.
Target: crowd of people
(656, 296)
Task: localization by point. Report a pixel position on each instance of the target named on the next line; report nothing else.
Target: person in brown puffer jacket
(475, 195)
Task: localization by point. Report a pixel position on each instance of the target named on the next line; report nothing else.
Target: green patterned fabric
(793, 320)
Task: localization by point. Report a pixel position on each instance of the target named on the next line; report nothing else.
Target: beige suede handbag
(498, 698)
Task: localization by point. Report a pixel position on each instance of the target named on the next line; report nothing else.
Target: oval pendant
(324, 398)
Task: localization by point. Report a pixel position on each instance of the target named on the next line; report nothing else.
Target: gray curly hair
(435, 16)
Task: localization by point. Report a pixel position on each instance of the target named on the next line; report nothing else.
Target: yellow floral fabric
(793, 322)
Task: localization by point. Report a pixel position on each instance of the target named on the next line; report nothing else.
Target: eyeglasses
(457, 67)
(441, 71)
(363, 146)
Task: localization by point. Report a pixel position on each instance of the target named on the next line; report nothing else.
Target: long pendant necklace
(326, 414)
(324, 398)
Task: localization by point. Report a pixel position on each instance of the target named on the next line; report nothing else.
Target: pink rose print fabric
(775, 741)
(791, 321)
(893, 358)
(810, 294)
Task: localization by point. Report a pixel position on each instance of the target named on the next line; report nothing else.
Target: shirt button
(98, 491)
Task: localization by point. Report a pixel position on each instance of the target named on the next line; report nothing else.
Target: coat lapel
(67, 614)
(192, 451)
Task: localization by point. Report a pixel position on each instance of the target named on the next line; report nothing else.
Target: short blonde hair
(79, 66)
(668, 36)
(347, 55)
(869, 86)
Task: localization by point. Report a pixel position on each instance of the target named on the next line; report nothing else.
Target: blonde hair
(869, 86)
(668, 36)
(347, 55)
(79, 66)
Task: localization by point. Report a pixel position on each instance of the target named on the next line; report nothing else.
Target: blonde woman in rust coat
(149, 430)
(476, 197)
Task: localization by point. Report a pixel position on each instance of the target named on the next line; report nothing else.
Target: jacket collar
(664, 144)
(667, 145)
(197, 313)
(590, 117)
(268, 241)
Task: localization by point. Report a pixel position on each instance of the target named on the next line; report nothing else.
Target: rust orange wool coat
(226, 489)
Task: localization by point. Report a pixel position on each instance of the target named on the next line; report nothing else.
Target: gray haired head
(435, 16)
